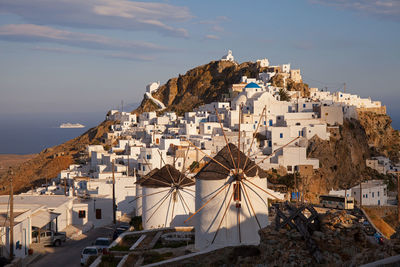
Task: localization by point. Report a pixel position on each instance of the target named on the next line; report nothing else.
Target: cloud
(384, 9)
(35, 33)
(101, 14)
(211, 37)
(105, 54)
(215, 24)
(58, 50)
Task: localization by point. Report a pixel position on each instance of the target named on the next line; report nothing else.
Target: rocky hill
(205, 84)
(342, 158)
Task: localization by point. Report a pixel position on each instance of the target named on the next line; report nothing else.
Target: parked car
(51, 238)
(102, 244)
(88, 252)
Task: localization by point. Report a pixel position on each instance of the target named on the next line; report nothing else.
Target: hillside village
(163, 166)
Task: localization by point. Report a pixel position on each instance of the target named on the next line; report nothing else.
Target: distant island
(72, 125)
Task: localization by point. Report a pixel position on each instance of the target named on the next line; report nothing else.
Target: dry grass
(378, 221)
(11, 160)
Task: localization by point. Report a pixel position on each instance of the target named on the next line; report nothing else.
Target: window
(304, 105)
(82, 214)
(289, 168)
(281, 135)
(326, 114)
(366, 195)
(98, 214)
(208, 127)
(378, 193)
(270, 143)
(270, 122)
(265, 123)
(148, 156)
(373, 195)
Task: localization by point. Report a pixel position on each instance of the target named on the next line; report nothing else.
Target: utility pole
(296, 190)
(360, 195)
(398, 196)
(127, 167)
(11, 214)
(113, 189)
(65, 186)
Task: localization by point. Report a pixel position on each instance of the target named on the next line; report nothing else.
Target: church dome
(252, 85)
(242, 98)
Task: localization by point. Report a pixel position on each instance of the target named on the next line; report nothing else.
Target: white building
(373, 193)
(228, 57)
(263, 62)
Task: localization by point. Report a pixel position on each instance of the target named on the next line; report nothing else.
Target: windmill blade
(190, 194)
(251, 205)
(166, 195)
(169, 205)
(183, 200)
(173, 205)
(183, 167)
(238, 210)
(207, 202)
(159, 206)
(216, 161)
(254, 135)
(274, 197)
(223, 216)
(150, 178)
(169, 172)
(136, 198)
(226, 140)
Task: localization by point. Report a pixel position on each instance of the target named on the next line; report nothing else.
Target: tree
(284, 95)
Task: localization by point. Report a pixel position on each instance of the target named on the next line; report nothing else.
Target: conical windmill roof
(162, 178)
(214, 171)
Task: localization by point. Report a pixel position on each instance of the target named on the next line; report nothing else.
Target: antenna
(122, 106)
(344, 87)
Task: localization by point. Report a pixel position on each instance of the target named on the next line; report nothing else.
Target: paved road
(69, 254)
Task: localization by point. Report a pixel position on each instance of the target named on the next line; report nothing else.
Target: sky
(86, 56)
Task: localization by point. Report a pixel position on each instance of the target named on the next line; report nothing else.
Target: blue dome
(252, 85)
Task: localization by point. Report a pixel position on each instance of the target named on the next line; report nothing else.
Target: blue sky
(85, 56)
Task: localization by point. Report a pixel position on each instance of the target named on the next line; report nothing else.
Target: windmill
(167, 197)
(231, 196)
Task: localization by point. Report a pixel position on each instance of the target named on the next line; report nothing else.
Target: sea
(31, 133)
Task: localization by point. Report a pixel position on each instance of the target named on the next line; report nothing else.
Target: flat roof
(51, 201)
